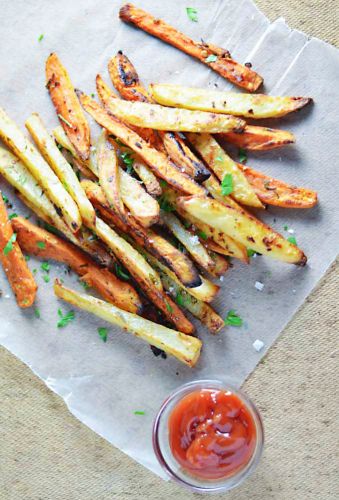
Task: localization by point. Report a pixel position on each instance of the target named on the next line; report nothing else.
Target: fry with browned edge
(257, 138)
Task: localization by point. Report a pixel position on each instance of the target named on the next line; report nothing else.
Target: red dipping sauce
(212, 433)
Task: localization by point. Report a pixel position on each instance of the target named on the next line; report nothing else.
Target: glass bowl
(172, 467)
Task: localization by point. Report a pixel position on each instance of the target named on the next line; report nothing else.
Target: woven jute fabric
(46, 454)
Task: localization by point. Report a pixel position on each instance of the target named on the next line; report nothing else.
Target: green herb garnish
(124, 275)
(128, 161)
(4, 197)
(168, 307)
(92, 95)
(165, 204)
(103, 332)
(250, 252)
(50, 228)
(41, 244)
(163, 183)
(37, 313)
(65, 319)
(242, 155)
(40, 37)
(202, 235)
(46, 278)
(211, 58)
(9, 245)
(45, 266)
(219, 158)
(292, 240)
(139, 412)
(27, 257)
(12, 216)
(84, 284)
(227, 185)
(192, 13)
(285, 228)
(233, 319)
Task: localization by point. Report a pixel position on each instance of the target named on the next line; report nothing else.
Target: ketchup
(212, 434)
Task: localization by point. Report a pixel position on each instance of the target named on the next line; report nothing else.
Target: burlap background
(45, 453)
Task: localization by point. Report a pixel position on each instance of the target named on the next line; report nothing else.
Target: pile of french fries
(159, 206)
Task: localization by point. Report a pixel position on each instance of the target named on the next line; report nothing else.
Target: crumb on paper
(259, 286)
(258, 345)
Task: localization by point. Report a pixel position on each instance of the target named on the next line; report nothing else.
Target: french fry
(222, 165)
(155, 159)
(259, 138)
(279, 193)
(191, 242)
(183, 347)
(214, 57)
(149, 180)
(13, 262)
(24, 149)
(108, 169)
(158, 246)
(60, 166)
(126, 80)
(197, 308)
(221, 264)
(67, 106)
(243, 227)
(156, 117)
(253, 106)
(112, 289)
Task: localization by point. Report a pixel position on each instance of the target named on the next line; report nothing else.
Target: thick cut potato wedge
(206, 292)
(126, 80)
(222, 164)
(112, 289)
(259, 138)
(190, 241)
(278, 193)
(24, 149)
(108, 169)
(197, 308)
(243, 227)
(13, 262)
(60, 166)
(67, 106)
(214, 57)
(248, 105)
(156, 117)
(84, 166)
(158, 246)
(158, 162)
(183, 347)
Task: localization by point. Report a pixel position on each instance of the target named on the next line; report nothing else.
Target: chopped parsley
(202, 235)
(9, 245)
(139, 412)
(45, 266)
(92, 95)
(121, 273)
(85, 284)
(165, 204)
(65, 121)
(27, 257)
(41, 244)
(292, 240)
(50, 228)
(250, 252)
(181, 299)
(4, 197)
(233, 319)
(128, 161)
(103, 332)
(242, 155)
(65, 319)
(192, 13)
(227, 185)
(163, 183)
(40, 38)
(46, 278)
(186, 224)
(211, 58)
(12, 216)
(37, 312)
(168, 307)
(285, 228)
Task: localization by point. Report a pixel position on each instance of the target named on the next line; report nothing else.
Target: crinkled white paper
(103, 384)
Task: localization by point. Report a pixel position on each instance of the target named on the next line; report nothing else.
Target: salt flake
(258, 345)
(259, 286)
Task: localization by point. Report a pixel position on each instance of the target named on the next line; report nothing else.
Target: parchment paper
(103, 384)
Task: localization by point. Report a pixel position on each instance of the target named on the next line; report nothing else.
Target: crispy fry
(113, 290)
(191, 242)
(183, 347)
(149, 180)
(126, 80)
(197, 308)
(259, 138)
(247, 105)
(155, 159)
(158, 246)
(24, 149)
(278, 193)
(61, 167)
(214, 57)
(222, 165)
(67, 106)
(243, 227)
(154, 116)
(108, 169)
(13, 262)
(221, 264)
